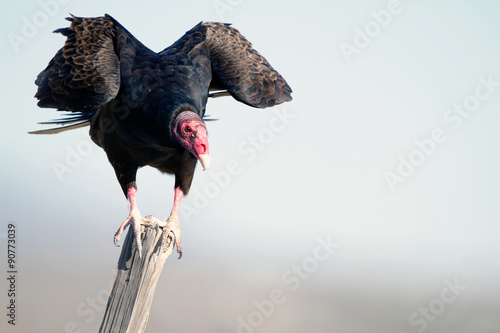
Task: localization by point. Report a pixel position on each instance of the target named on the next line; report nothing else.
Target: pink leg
(173, 221)
(133, 218)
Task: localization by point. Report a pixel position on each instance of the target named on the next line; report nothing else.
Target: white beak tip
(204, 161)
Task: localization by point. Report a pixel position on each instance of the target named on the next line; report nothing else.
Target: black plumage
(131, 96)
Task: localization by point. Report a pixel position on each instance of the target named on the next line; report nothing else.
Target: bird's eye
(187, 129)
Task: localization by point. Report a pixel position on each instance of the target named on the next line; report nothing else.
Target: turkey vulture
(147, 108)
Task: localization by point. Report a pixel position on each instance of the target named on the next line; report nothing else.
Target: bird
(147, 108)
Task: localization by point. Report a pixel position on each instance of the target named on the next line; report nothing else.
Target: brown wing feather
(236, 66)
(85, 73)
(244, 72)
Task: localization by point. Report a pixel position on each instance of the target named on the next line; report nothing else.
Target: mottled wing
(242, 70)
(236, 66)
(85, 74)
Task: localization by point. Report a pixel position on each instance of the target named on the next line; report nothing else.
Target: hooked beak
(201, 149)
(204, 160)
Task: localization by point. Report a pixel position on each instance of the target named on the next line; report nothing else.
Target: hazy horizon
(386, 153)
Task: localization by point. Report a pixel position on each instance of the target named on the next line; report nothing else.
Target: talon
(173, 227)
(134, 219)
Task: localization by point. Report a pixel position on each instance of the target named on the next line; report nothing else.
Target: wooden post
(128, 305)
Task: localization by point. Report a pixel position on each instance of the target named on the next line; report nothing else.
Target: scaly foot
(135, 219)
(173, 227)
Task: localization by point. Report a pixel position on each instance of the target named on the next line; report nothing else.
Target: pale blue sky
(319, 170)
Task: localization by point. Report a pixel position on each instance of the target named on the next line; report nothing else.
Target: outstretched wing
(84, 74)
(236, 66)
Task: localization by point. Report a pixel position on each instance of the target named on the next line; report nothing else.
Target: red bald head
(190, 131)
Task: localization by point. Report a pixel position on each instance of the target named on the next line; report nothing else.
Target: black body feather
(130, 95)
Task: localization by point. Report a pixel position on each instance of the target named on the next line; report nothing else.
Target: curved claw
(135, 219)
(120, 230)
(173, 227)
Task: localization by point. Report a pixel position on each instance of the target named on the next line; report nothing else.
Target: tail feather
(61, 129)
(207, 118)
(69, 118)
(72, 121)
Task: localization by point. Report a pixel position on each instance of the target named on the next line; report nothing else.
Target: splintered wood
(128, 305)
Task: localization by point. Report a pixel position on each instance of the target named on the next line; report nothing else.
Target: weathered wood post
(128, 305)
